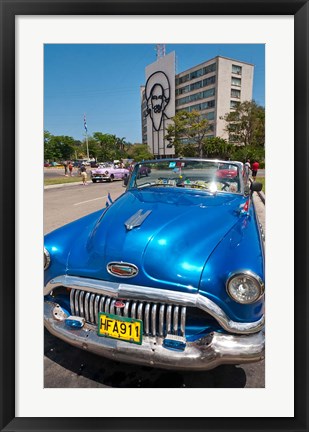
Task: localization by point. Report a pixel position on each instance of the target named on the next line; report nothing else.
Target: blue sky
(103, 81)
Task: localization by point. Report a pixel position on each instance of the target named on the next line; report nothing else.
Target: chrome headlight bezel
(252, 277)
(46, 259)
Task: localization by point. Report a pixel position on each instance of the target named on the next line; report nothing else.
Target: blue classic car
(170, 275)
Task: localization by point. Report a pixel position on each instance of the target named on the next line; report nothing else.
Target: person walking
(248, 167)
(255, 167)
(65, 164)
(83, 173)
(70, 168)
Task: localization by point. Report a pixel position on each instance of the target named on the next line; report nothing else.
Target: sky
(103, 82)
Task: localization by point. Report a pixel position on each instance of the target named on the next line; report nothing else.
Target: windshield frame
(243, 177)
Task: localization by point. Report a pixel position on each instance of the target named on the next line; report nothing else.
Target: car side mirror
(125, 181)
(256, 187)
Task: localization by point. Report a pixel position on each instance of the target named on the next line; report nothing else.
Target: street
(66, 366)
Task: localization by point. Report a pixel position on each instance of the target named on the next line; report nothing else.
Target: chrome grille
(158, 319)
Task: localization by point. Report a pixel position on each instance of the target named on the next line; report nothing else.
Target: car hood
(170, 247)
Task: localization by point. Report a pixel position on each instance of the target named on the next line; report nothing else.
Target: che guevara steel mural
(157, 93)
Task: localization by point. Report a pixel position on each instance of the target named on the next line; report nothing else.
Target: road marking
(94, 199)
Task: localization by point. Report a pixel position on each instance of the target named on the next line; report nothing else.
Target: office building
(213, 88)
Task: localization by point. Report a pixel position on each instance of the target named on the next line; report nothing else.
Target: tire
(94, 181)
(111, 178)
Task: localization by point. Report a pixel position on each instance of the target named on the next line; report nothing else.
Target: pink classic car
(108, 172)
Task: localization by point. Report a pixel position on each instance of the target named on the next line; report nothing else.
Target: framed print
(26, 402)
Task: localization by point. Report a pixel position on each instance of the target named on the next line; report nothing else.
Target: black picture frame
(9, 10)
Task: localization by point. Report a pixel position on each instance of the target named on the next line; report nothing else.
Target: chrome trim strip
(136, 292)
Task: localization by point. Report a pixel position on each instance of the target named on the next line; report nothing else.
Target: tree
(107, 146)
(58, 147)
(246, 125)
(187, 133)
(217, 148)
(139, 152)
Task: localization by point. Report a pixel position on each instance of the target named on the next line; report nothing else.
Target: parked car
(144, 171)
(46, 164)
(227, 170)
(170, 275)
(108, 172)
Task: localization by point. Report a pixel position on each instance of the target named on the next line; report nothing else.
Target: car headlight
(46, 259)
(245, 287)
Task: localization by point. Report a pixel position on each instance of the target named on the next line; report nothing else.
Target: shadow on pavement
(106, 373)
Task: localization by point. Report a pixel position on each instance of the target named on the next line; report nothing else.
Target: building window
(236, 81)
(209, 116)
(196, 96)
(196, 74)
(235, 94)
(201, 106)
(182, 90)
(196, 85)
(210, 68)
(208, 81)
(183, 79)
(236, 69)
(234, 104)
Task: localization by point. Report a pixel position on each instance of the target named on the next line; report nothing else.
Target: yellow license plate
(121, 328)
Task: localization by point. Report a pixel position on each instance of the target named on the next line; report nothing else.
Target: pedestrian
(70, 168)
(255, 167)
(248, 167)
(65, 164)
(83, 173)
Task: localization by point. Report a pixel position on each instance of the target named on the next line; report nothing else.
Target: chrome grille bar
(158, 319)
(153, 319)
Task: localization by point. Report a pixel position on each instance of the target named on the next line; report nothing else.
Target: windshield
(211, 176)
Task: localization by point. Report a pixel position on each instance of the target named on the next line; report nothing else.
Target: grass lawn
(61, 180)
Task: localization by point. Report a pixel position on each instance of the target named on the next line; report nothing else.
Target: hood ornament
(137, 219)
(122, 269)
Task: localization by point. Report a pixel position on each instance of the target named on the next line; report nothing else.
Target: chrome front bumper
(203, 354)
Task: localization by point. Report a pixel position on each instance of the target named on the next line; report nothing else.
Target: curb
(60, 185)
(262, 196)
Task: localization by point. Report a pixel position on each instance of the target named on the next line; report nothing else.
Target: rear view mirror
(256, 187)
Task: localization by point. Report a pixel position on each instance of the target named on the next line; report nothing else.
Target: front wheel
(111, 178)
(94, 181)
